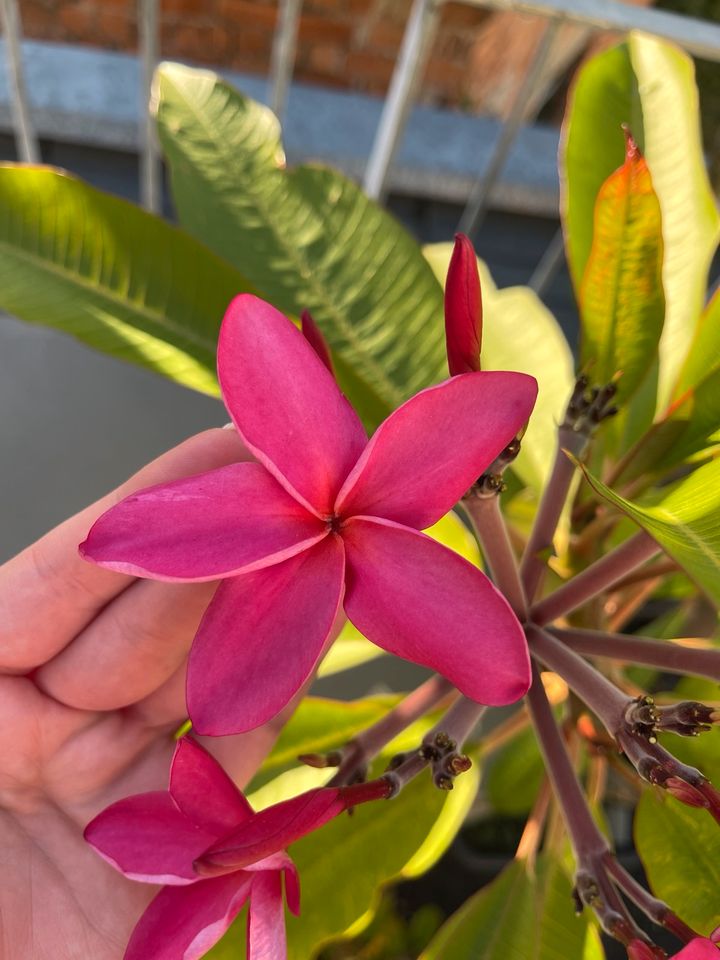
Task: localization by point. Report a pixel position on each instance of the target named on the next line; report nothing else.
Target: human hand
(92, 690)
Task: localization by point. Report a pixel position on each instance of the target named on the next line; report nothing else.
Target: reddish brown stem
(595, 579)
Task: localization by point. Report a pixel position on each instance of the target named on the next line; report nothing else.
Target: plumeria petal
(463, 309)
(700, 949)
(314, 337)
(260, 639)
(148, 838)
(204, 527)
(183, 923)
(203, 791)
(419, 600)
(285, 403)
(266, 918)
(428, 453)
(272, 830)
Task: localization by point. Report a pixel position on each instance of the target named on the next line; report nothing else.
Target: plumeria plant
(540, 534)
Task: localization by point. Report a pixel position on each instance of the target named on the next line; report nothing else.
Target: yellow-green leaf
(621, 297)
(685, 522)
(679, 850)
(111, 275)
(649, 84)
(308, 239)
(528, 911)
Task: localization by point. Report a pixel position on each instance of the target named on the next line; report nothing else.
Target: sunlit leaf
(691, 226)
(679, 850)
(520, 333)
(621, 298)
(307, 238)
(111, 275)
(320, 725)
(526, 912)
(648, 84)
(514, 775)
(704, 356)
(685, 522)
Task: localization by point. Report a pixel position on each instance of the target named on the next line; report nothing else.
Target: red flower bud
(312, 334)
(463, 309)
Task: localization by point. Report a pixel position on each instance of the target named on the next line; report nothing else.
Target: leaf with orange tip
(621, 296)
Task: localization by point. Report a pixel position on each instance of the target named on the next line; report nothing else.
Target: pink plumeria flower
(323, 519)
(162, 837)
(463, 309)
(699, 949)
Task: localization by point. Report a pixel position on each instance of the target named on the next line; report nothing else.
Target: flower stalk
(593, 887)
(596, 579)
(492, 532)
(676, 657)
(354, 759)
(602, 696)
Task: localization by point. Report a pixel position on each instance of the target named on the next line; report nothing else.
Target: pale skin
(92, 677)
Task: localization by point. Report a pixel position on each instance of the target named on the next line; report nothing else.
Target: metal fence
(697, 37)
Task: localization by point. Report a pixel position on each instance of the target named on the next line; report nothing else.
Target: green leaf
(344, 865)
(525, 912)
(111, 275)
(351, 648)
(691, 225)
(520, 333)
(319, 725)
(678, 846)
(603, 96)
(621, 297)
(704, 357)
(648, 84)
(515, 774)
(308, 238)
(685, 522)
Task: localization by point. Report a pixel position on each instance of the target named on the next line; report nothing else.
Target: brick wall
(477, 61)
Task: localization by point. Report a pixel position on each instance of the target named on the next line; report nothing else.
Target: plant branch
(657, 910)
(439, 748)
(532, 566)
(366, 745)
(676, 657)
(586, 838)
(492, 533)
(596, 578)
(589, 845)
(602, 696)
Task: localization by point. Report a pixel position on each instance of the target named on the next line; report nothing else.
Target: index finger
(48, 592)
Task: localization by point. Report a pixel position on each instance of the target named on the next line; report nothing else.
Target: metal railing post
(282, 58)
(418, 36)
(25, 138)
(548, 265)
(150, 166)
(476, 207)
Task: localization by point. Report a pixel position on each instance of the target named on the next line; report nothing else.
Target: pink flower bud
(463, 309)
